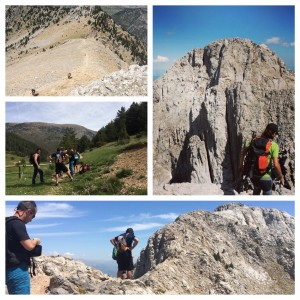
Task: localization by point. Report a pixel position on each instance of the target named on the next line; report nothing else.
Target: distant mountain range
(46, 135)
(133, 19)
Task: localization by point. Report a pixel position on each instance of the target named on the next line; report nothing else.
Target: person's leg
(18, 280)
(41, 175)
(129, 274)
(35, 172)
(266, 185)
(71, 167)
(256, 185)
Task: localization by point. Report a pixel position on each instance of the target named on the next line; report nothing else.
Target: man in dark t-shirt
(18, 243)
(59, 157)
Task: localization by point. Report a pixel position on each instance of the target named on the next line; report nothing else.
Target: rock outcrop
(59, 275)
(131, 82)
(235, 250)
(206, 105)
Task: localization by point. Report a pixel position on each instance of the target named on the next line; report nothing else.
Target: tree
(123, 137)
(69, 139)
(83, 144)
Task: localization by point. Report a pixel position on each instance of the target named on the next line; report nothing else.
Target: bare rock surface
(235, 250)
(131, 82)
(207, 104)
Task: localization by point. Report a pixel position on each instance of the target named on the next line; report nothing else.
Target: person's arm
(135, 242)
(35, 157)
(113, 241)
(30, 244)
(278, 170)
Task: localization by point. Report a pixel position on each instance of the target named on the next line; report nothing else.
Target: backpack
(84, 168)
(31, 158)
(114, 254)
(256, 161)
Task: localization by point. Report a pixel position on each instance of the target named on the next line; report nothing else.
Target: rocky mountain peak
(206, 106)
(234, 250)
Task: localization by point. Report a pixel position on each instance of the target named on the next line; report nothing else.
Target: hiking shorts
(18, 280)
(262, 184)
(60, 167)
(125, 261)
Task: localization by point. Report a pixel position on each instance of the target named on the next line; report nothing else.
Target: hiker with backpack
(124, 244)
(59, 157)
(35, 159)
(257, 159)
(18, 248)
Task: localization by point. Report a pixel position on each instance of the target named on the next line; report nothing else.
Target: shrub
(124, 173)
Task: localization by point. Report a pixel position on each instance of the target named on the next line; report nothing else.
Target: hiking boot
(56, 183)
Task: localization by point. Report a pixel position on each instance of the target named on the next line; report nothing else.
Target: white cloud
(273, 40)
(57, 234)
(52, 210)
(39, 226)
(161, 59)
(143, 216)
(168, 216)
(136, 227)
(278, 41)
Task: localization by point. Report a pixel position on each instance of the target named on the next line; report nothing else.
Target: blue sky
(92, 115)
(82, 229)
(179, 29)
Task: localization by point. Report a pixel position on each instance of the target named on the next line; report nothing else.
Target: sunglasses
(32, 213)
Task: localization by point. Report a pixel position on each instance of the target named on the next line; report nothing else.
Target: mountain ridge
(47, 135)
(69, 45)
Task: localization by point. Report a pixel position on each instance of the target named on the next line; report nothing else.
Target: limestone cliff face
(235, 250)
(206, 105)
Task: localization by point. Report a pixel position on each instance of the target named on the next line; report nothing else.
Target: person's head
(130, 231)
(38, 150)
(26, 211)
(271, 131)
(58, 149)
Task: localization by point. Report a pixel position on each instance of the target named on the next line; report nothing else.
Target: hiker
(18, 243)
(35, 160)
(258, 166)
(125, 243)
(34, 93)
(60, 156)
(71, 161)
(76, 159)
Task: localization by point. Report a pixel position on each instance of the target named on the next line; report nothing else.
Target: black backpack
(31, 158)
(256, 161)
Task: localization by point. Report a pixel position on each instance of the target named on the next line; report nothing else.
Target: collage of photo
(149, 149)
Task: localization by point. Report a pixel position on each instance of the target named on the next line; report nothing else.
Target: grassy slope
(89, 183)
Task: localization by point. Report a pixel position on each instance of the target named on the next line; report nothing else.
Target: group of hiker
(20, 248)
(59, 157)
